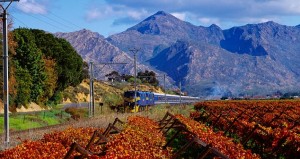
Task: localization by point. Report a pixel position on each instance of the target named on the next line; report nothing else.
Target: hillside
(106, 92)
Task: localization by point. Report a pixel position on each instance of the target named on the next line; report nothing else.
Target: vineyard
(269, 128)
(216, 129)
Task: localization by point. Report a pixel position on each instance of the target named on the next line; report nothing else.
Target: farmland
(209, 129)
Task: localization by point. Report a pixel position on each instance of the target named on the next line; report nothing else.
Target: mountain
(255, 58)
(251, 59)
(159, 31)
(93, 47)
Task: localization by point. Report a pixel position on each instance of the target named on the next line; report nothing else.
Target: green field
(23, 121)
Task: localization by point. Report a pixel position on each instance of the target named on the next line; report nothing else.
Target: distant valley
(254, 59)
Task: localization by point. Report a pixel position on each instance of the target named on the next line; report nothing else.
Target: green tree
(148, 77)
(28, 58)
(69, 63)
(131, 80)
(23, 88)
(114, 75)
(45, 66)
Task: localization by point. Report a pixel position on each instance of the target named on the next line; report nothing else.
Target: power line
(18, 20)
(66, 21)
(53, 22)
(46, 22)
(56, 21)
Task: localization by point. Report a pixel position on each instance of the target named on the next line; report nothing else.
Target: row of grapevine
(270, 128)
(213, 144)
(140, 138)
(53, 145)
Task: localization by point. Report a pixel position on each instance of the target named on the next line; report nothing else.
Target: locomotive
(144, 99)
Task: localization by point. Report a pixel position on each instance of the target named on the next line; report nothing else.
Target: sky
(109, 17)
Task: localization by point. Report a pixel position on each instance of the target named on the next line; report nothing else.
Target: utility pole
(91, 104)
(5, 70)
(165, 88)
(134, 51)
(180, 91)
(92, 97)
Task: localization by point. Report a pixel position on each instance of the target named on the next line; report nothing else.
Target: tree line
(142, 77)
(41, 66)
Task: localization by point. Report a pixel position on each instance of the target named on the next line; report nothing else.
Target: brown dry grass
(100, 89)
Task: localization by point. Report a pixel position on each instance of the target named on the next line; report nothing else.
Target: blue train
(144, 99)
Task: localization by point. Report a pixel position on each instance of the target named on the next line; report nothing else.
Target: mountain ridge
(253, 58)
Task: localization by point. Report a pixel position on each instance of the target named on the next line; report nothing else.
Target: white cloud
(178, 15)
(93, 14)
(209, 21)
(138, 15)
(96, 13)
(257, 20)
(119, 13)
(221, 9)
(31, 6)
(224, 13)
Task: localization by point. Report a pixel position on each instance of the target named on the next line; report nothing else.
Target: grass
(23, 121)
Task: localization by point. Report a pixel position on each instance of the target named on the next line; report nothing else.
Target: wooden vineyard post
(247, 138)
(171, 139)
(179, 127)
(232, 123)
(205, 152)
(102, 140)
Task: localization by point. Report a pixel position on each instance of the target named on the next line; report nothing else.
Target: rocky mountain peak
(252, 39)
(160, 23)
(269, 23)
(214, 26)
(161, 13)
(161, 16)
(80, 34)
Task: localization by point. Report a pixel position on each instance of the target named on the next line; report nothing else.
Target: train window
(129, 94)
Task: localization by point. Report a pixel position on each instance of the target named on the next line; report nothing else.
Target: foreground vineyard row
(53, 146)
(140, 137)
(270, 128)
(211, 143)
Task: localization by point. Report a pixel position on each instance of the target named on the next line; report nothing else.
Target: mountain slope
(207, 69)
(258, 59)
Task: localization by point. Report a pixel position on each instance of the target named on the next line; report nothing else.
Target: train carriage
(144, 99)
